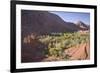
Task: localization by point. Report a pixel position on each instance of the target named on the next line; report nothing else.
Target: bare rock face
(79, 52)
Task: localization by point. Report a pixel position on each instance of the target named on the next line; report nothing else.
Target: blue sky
(74, 16)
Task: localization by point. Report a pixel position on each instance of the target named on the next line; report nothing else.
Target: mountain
(44, 22)
(82, 25)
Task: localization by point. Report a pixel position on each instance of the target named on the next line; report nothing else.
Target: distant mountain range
(44, 22)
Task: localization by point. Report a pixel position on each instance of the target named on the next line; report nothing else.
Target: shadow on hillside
(33, 51)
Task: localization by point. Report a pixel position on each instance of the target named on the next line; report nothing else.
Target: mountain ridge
(44, 22)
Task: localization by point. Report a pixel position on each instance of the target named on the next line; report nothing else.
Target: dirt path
(79, 52)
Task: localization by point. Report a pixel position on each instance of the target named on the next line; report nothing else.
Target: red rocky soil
(79, 52)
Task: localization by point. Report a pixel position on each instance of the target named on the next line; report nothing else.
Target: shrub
(58, 42)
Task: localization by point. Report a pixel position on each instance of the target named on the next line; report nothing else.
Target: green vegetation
(58, 42)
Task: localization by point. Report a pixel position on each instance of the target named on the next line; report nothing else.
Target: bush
(58, 42)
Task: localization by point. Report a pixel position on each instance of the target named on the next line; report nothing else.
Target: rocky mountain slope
(43, 22)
